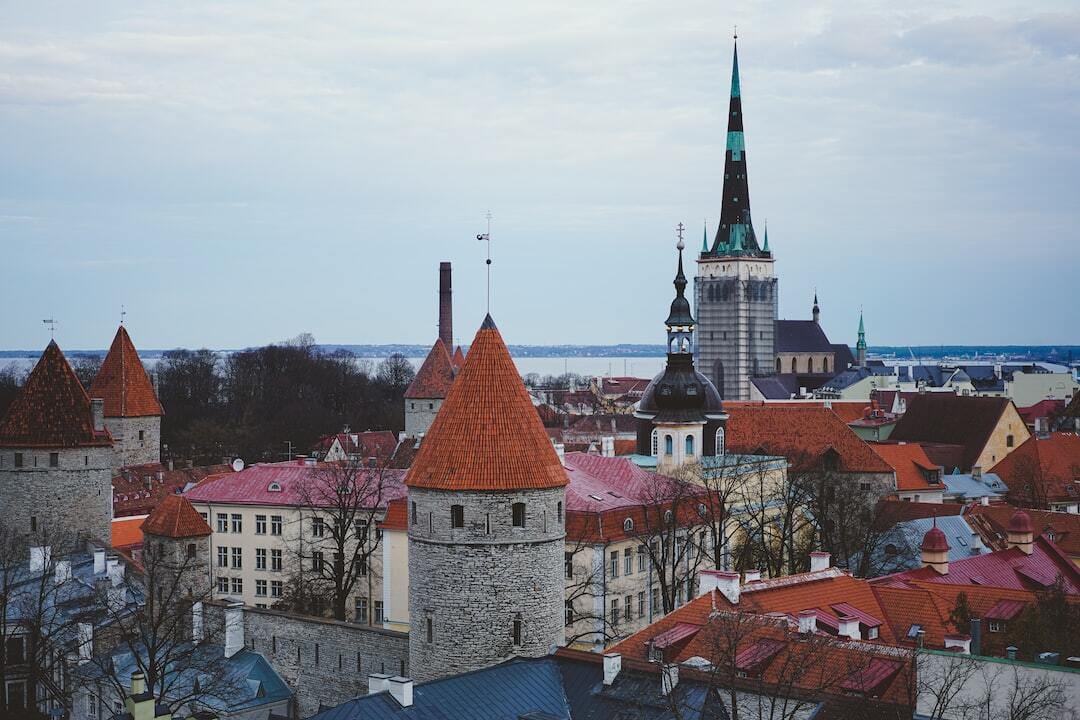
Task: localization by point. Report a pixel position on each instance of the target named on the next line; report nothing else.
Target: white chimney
(976, 473)
(849, 627)
(612, 666)
(197, 622)
(984, 500)
(234, 628)
(726, 582)
(39, 558)
(377, 682)
(62, 572)
(669, 678)
(85, 639)
(401, 690)
(607, 446)
(560, 450)
(115, 568)
(97, 414)
(819, 561)
(958, 641)
(807, 621)
(138, 683)
(751, 575)
(99, 561)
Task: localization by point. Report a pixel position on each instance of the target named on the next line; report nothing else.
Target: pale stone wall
(1027, 389)
(72, 500)
(419, 414)
(1009, 434)
(473, 582)
(324, 662)
(136, 440)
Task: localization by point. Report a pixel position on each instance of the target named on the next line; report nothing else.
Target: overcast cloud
(237, 173)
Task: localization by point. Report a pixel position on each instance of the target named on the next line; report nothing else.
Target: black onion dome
(680, 393)
(680, 306)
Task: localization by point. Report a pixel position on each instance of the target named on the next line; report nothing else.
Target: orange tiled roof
(123, 383)
(487, 436)
(174, 517)
(910, 462)
(435, 376)
(397, 516)
(52, 410)
(127, 532)
(1052, 462)
(801, 432)
(459, 358)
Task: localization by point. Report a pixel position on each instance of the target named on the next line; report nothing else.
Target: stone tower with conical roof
(735, 290)
(425, 395)
(176, 550)
(486, 510)
(132, 411)
(680, 417)
(56, 458)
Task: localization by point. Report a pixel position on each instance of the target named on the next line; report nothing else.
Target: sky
(238, 173)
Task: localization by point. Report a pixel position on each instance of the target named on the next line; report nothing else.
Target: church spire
(680, 322)
(816, 310)
(735, 235)
(860, 346)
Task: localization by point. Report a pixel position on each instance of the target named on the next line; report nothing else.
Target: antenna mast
(486, 237)
(52, 327)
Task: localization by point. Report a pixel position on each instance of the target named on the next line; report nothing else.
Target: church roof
(123, 383)
(52, 410)
(487, 435)
(174, 517)
(801, 336)
(435, 375)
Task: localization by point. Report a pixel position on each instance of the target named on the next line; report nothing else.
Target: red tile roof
(487, 436)
(1051, 465)
(896, 511)
(123, 383)
(51, 410)
(288, 484)
(397, 515)
(1041, 409)
(137, 489)
(1010, 568)
(459, 358)
(911, 464)
(175, 518)
(800, 432)
(435, 376)
(127, 532)
(992, 523)
(952, 419)
(372, 443)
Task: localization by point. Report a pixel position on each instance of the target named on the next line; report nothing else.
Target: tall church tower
(735, 290)
(487, 497)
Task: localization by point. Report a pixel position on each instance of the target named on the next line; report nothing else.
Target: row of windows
(669, 443)
(19, 460)
(457, 517)
(361, 607)
(627, 558)
(822, 367)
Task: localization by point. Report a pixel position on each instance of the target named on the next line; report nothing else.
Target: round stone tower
(132, 411)
(176, 550)
(55, 459)
(486, 533)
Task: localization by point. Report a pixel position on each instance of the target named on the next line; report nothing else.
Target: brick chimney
(446, 307)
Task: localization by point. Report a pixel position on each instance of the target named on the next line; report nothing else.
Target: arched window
(701, 509)
(794, 369)
(689, 446)
(457, 516)
(667, 517)
(628, 524)
(720, 441)
(825, 364)
(655, 442)
(778, 368)
(669, 445)
(518, 514)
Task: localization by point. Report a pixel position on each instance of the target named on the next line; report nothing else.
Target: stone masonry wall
(127, 447)
(324, 662)
(73, 500)
(418, 416)
(473, 582)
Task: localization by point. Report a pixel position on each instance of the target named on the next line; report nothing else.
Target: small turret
(935, 550)
(1021, 535)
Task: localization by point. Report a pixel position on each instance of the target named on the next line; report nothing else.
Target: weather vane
(486, 237)
(679, 231)
(52, 327)
(123, 312)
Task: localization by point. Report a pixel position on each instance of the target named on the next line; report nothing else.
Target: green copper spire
(705, 236)
(765, 247)
(860, 346)
(735, 72)
(862, 330)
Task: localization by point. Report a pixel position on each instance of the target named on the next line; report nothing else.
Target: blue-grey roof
(777, 387)
(899, 550)
(551, 688)
(801, 336)
(842, 355)
(965, 487)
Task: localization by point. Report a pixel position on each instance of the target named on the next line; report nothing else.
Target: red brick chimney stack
(446, 307)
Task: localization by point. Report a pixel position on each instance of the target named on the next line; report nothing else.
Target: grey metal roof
(777, 387)
(801, 336)
(965, 487)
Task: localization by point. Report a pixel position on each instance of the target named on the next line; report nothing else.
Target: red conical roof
(459, 358)
(1020, 522)
(175, 518)
(487, 435)
(435, 376)
(52, 410)
(123, 383)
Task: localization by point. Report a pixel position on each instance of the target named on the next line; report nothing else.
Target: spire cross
(486, 237)
(679, 232)
(52, 327)
(123, 312)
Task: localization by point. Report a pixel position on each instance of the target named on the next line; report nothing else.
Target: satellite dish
(237, 465)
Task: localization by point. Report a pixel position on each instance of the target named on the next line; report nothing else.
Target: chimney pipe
(62, 572)
(234, 628)
(976, 636)
(819, 561)
(807, 621)
(377, 682)
(612, 666)
(669, 678)
(849, 627)
(750, 576)
(39, 558)
(138, 683)
(726, 582)
(97, 414)
(197, 622)
(401, 689)
(446, 307)
(99, 561)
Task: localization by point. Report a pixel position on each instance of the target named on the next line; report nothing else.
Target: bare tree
(341, 506)
(777, 531)
(585, 581)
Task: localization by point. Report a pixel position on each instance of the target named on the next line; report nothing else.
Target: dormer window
(273, 487)
(628, 525)
(691, 389)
